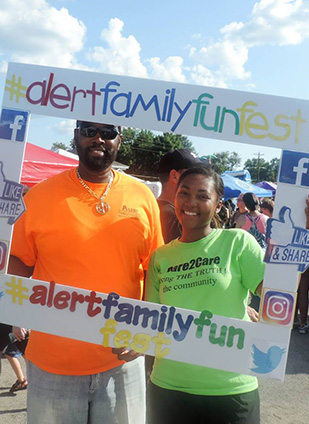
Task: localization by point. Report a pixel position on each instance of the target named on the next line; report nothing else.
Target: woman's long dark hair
(251, 201)
(208, 172)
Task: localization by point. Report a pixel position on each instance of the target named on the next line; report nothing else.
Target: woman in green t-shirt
(184, 393)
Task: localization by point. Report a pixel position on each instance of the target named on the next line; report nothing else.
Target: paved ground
(288, 402)
(281, 403)
(12, 406)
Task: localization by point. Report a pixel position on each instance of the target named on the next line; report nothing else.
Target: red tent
(40, 164)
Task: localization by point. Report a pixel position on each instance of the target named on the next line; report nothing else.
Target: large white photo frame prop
(259, 349)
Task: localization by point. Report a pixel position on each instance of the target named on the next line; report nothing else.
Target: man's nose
(98, 138)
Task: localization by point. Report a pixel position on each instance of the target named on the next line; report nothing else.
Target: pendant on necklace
(102, 207)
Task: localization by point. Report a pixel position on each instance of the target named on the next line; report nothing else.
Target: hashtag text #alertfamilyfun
(114, 310)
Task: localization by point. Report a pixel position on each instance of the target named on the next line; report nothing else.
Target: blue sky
(259, 46)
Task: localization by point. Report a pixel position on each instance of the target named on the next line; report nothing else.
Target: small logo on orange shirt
(129, 212)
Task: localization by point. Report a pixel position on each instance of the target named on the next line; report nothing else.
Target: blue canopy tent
(242, 174)
(234, 186)
(268, 186)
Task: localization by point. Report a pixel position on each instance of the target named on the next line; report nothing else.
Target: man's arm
(17, 267)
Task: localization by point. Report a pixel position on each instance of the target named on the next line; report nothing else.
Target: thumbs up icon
(281, 231)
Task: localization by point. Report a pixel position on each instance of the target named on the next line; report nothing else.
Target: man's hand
(17, 267)
(125, 354)
(20, 333)
(253, 315)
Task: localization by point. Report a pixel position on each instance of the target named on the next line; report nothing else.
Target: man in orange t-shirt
(92, 228)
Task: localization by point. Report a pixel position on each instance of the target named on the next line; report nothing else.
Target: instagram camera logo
(277, 307)
(3, 251)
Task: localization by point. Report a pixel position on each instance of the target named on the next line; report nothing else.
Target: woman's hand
(253, 315)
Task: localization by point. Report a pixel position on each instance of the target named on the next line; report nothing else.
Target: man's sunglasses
(105, 132)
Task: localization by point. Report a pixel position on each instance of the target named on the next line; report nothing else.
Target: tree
(58, 145)
(142, 150)
(225, 161)
(126, 153)
(145, 153)
(273, 168)
(261, 170)
(257, 169)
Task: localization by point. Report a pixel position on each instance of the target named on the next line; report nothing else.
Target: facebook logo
(13, 124)
(294, 168)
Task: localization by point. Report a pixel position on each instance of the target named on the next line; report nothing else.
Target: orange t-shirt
(68, 242)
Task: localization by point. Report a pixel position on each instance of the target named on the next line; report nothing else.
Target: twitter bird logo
(266, 362)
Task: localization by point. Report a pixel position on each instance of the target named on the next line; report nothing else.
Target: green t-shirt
(214, 274)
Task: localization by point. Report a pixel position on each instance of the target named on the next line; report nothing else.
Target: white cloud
(33, 32)
(120, 55)
(3, 67)
(65, 127)
(227, 59)
(275, 22)
(203, 76)
(272, 22)
(171, 69)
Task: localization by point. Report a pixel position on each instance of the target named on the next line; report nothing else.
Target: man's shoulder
(51, 183)
(133, 183)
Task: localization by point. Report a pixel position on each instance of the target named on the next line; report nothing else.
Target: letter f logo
(300, 170)
(15, 126)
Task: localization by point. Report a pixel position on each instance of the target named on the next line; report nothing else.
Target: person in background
(241, 209)
(302, 302)
(303, 290)
(183, 393)
(13, 351)
(225, 214)
(171, 166)
(253, 218)
(267, 207)
(94, 228)
(5, 331)
(254, 222)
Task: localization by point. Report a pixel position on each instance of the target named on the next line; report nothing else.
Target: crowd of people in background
(233, 214)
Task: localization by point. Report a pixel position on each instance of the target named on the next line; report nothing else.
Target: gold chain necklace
(101, 207)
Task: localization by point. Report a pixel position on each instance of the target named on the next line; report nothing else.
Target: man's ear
(75, 136)
(219, 206)
(119, 141)
(174, 176)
